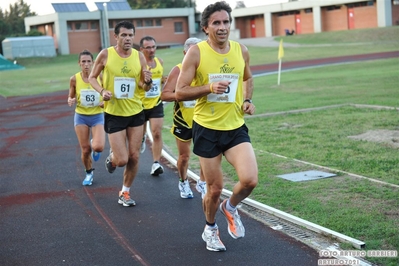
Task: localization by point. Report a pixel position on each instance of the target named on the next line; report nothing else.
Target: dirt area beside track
(389, 137)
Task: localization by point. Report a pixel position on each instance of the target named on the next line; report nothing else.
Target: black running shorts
(156, 112)
(113, 123)
(182, 133)
(209, 143)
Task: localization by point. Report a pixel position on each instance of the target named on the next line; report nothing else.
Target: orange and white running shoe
(234, 225)
(125, 200)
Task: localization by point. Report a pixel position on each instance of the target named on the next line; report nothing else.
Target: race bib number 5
(229, 95)
(89, 98)
(124, 87)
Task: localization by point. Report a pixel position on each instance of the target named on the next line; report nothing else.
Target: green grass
(52, 74)
(353, 206)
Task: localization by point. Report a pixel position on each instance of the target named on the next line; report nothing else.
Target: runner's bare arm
(98, 67)
(248, 85)
(72, 91)
(146, 75)
(183, 89)
(168, 91)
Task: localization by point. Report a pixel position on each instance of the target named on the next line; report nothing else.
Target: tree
(240, 4)
(153, 4)
(12, 20)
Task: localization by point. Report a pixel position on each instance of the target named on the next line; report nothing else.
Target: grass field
(287, 139)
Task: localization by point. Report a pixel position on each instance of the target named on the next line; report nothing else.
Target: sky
(44, 7)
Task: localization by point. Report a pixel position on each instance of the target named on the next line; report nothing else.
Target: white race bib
(155, 90)
(124, 87)
(89, 98)
(189, 104)
(229, 95)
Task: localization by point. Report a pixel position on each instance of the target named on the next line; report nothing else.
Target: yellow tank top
(87, 98)
(152, 97)
(220, 111)
(183, 112)
(121, 77)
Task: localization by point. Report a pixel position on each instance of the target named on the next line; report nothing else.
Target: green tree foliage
(240, 4)
(152, 4)
(12, 20)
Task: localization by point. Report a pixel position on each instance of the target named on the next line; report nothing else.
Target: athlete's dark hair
(212, 8)
(124, 24)
(147, 38)
(86, 52)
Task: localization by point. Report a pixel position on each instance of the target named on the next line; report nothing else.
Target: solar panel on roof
(113, 6)
(69, 7)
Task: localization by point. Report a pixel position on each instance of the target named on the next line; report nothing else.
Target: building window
(148, 23)
(111, 24)
(139, 23)
(69, 26)
(81, 26)
(178, 27)
(331, 8)
(308, 10)
(396, 2)
(288, 13)
(94, 25)
(158, 22)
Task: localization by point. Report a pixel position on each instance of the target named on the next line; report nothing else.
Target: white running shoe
(211, 237)
(142, 148)
(156, 169)
(185, 190)
(201, 187)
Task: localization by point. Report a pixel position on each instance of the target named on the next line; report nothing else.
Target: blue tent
(7, 65)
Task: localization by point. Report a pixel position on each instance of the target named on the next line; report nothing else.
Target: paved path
(49, 218)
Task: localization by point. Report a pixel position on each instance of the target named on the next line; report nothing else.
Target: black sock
(90, 170)
(211, 224)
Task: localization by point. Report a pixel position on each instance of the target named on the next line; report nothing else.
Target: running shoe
(125, 200)
(201, 187)
(234, 225)
(88, 181)
(108, 163)
(142, 148)
(94, 155)
(185, 190)
(211, 237)
(156, 169)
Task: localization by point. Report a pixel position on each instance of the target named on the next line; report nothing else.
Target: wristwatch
(248, 100)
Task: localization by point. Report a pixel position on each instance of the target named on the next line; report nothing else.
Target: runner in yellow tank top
(89, 115)
(124, 75)
(153, 107)
(220, 67)
(182, 128)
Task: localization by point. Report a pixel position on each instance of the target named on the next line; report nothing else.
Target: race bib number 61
(124, 87)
